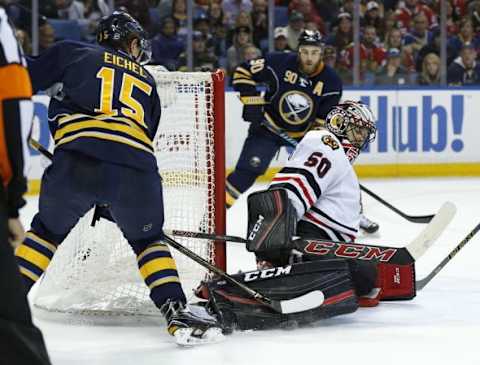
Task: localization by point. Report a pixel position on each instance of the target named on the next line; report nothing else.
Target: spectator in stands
(296, 23)
(467, 36)
(179, 13)
(329, 10)
(250, 52)
(259, 21)
(201, 23)
(216, 14)
(420, 36)
(220, 44)
(434, 47)
(408, 9)
(280, 42)
(59, 9)
(24, 40)
(372, 56)
(347, 7)
(46, 36)
(243, 19)
(202, 59)
(167, 45)
(373, 17)
(94, 10)
(309, 12)
(242, 37)
(430, 73)
(474, 11)
(139, 10)
(330, 56)
(394, 39)
(233, 7)
(464, 70)
(389, 23)
(392, 73)
(342, 36)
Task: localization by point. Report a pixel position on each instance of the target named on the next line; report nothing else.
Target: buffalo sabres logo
(295, 107)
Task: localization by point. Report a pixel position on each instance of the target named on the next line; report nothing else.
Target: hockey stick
(423, 282)
(36, 145)
(410, 218)
(302, 303)
(402, 255)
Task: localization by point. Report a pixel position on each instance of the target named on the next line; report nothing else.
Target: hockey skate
(367, 225)
(191, 325)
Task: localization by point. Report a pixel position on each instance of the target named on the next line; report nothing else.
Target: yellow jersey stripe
(229, 199)
(244, 81)
(243, 71)
(103, 125)
(106, 136)
(156, 265)
(232, 188)
(168, 279)
(155, 248)
(33, 256)
(41, 241)
(29, 274)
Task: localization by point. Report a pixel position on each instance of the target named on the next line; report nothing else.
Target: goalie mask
(119, 29)
(354, 124)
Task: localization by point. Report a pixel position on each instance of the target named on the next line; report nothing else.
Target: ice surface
(440, 326)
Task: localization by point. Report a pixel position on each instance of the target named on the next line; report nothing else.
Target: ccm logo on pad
(269, 273)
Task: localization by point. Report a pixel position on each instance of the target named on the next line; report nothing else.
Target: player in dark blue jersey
(103, 119)
(300, 91)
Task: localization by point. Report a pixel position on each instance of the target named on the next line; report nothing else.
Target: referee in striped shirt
(20, 341)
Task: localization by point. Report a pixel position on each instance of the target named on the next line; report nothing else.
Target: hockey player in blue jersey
(300, 91)
(103, 122)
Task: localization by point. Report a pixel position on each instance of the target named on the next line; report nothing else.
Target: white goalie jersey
(322, 185)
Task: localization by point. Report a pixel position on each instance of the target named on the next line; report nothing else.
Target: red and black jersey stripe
(299, 181)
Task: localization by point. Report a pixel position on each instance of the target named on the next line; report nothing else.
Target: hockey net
(94, 271)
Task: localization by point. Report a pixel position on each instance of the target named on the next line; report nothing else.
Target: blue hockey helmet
(310, 38)
(118, 29)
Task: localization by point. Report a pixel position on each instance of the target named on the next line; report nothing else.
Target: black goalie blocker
(236, 311)
(271, 225)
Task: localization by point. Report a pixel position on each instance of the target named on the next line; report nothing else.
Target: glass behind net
(94, 272)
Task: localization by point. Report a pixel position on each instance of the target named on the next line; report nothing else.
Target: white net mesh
(94, 271)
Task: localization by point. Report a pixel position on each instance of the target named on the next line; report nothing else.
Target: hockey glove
(253, 113)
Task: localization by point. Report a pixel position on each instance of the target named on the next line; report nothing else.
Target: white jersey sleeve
(322, 185)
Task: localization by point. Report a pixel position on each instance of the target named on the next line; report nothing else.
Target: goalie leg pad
(271, 224)
(237, 311)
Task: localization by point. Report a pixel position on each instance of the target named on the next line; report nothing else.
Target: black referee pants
(21, 343)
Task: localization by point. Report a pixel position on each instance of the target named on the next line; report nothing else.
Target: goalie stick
(411, 218)
(301, 303)
(423, 282)
(401, 255)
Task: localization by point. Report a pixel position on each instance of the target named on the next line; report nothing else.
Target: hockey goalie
(316, 197)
